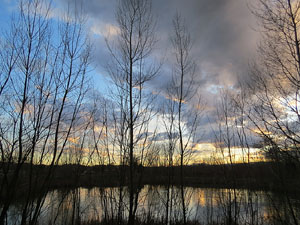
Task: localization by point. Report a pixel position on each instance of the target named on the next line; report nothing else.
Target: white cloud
(104, 29)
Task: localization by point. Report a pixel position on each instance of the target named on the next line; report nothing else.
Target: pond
(164, 205)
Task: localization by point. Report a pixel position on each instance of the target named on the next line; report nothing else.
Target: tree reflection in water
(204, 206)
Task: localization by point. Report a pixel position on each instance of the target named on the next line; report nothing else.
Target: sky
(222, 31)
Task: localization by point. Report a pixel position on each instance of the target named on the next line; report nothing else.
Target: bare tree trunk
(181, 91)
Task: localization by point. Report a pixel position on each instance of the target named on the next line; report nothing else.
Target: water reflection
(161, 204)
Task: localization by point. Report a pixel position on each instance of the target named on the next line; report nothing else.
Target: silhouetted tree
(273, 92)
(129, 72)
(42, 101)
(182, 91)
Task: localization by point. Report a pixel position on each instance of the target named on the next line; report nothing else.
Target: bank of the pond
(257, 176)
(260, 176)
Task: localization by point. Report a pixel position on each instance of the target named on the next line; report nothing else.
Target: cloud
(223, 43)
(164, 136)
(105, 30)
(221, 31)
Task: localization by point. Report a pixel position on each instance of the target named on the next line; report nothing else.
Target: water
(204, 205)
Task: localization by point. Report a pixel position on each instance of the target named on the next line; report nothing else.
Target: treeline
(262, 176)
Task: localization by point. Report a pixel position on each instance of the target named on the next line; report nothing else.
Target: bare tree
(129, 72)
(272, 103)
(168, 118)
(275, 85)
(229, 142)
(182, 91)
(42, 103)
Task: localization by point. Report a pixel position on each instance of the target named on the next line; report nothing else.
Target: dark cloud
(223, 42)
(163, 136)
(221, 32)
